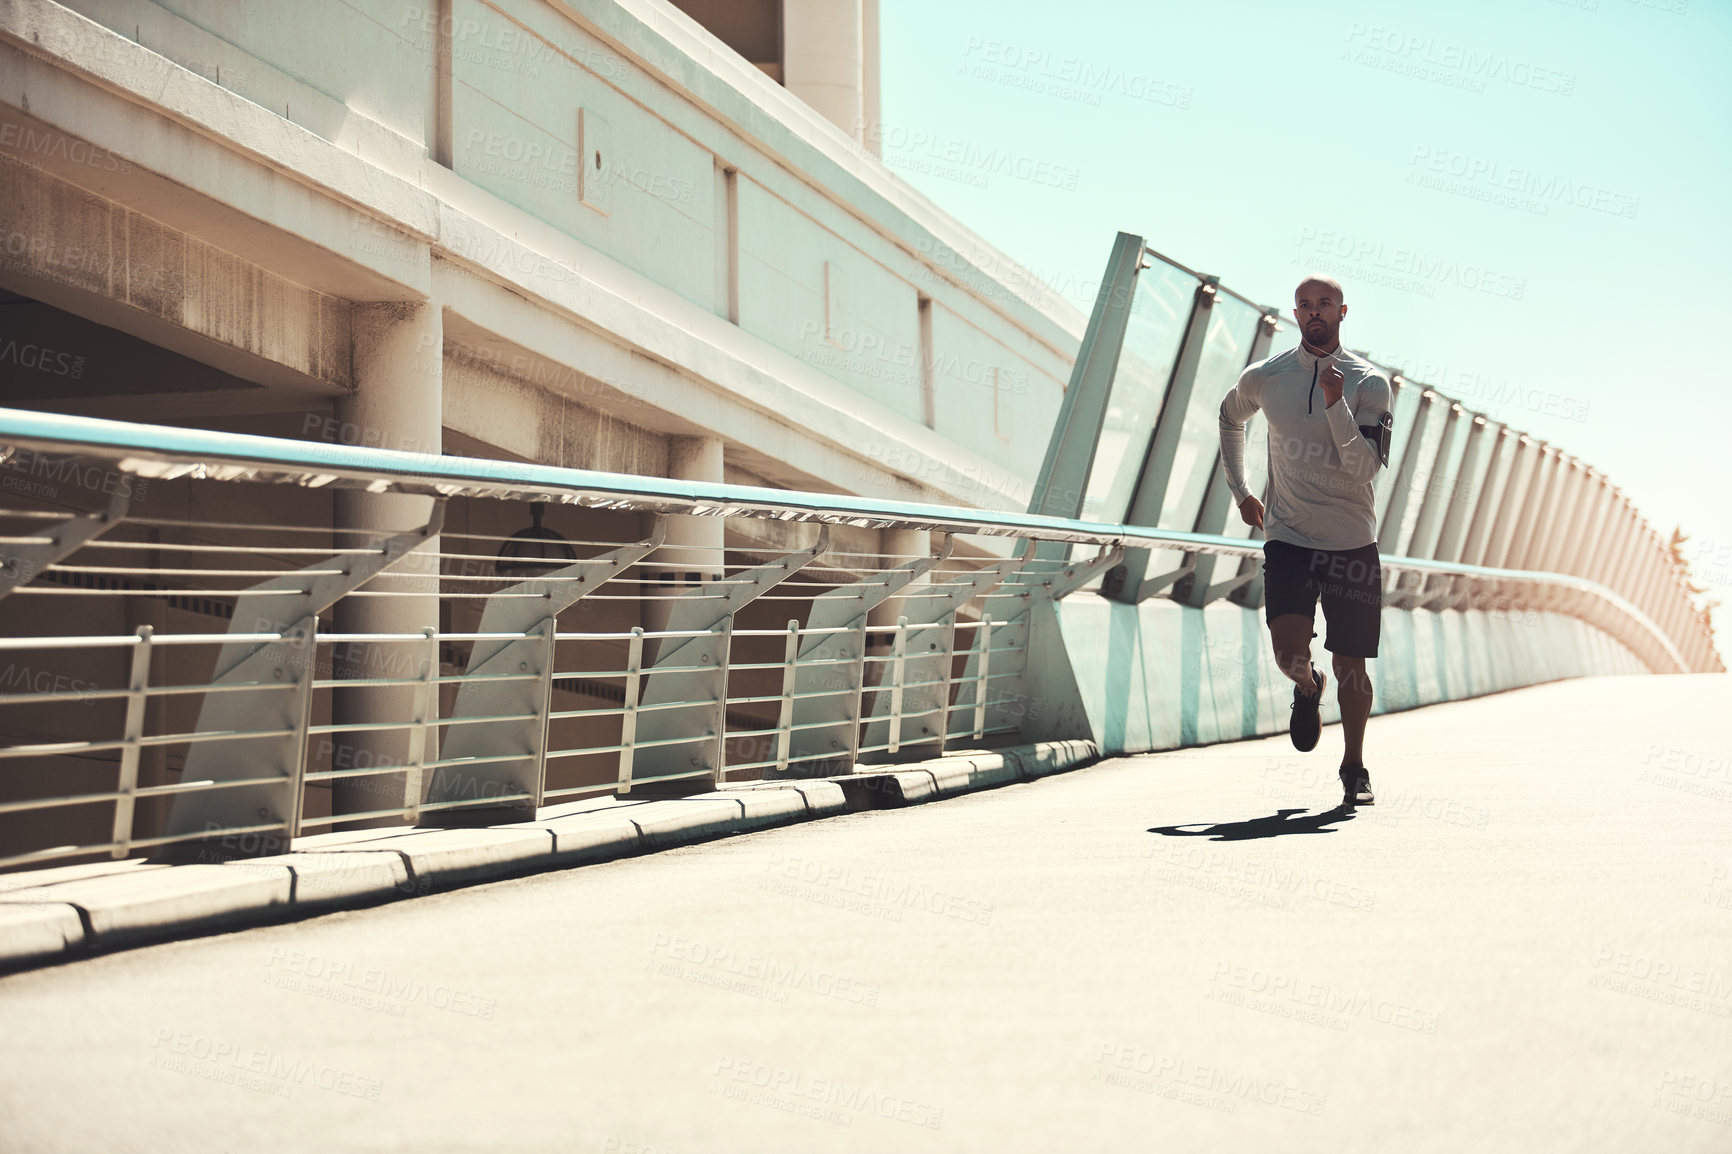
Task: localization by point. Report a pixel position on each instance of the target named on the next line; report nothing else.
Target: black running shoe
(1356, 787)
(1307, 723)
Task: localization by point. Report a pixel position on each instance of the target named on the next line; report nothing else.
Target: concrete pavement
(1525, 946)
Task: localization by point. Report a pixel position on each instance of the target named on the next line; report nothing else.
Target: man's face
(1318, 309)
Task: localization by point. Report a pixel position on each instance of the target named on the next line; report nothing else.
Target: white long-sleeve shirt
(1322, 466)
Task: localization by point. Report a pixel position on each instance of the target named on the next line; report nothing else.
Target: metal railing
(517, 685)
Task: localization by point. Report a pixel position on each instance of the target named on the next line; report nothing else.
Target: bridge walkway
(1523, 946)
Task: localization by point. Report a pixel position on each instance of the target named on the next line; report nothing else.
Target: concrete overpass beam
(73, 250)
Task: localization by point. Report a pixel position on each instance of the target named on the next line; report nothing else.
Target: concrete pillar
(824, 56)
(902, 546)
(691, 553)
(871, 109)
(398, 362)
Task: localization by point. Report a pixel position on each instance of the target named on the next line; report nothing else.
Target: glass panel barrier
(1430, 439)
(1440, 489)
(1159, 311)
(1406, 406)
(1232, 325)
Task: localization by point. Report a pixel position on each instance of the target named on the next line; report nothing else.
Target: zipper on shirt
(1313, 391)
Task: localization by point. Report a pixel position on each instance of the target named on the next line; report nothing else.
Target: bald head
(1319, 308)
(1318, 284)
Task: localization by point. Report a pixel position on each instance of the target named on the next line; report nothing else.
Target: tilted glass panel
(1226, 345)
(1406, 406)
(1439, 487)
(1464, 483)
(1524, 459)
(1492, 486)
(1160, 310)
(1429, 440)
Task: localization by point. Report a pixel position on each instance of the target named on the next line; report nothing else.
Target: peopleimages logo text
(1424, 267)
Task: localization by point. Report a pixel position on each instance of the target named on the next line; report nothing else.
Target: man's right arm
(1241, 401)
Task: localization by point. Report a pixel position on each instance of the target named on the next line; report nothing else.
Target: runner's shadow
(1279, 823)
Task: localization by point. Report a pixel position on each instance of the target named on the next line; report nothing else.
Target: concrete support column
(398, 359)
(902, 546)
(691, 553)
(824, 56)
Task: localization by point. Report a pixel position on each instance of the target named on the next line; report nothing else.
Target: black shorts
(1350, 582)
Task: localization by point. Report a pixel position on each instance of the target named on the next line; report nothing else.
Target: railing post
(790, 677)
(137, 699)
(628, 717)
(898, 666)
(983, 682)
(426, 719)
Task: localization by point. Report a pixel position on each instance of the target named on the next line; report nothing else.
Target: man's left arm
(1361, 433)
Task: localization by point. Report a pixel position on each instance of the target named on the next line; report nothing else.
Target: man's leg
(1353, 694)
(1291, 635)
(1352, 603)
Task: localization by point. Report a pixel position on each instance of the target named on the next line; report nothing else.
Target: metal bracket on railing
(825, 729)
(1408, 591)
(675, 751)
(259, 732)
(1153, 585)
(507, 692)
(917, 724)
(22, 563)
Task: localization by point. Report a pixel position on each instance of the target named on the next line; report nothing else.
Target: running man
(1329, 429)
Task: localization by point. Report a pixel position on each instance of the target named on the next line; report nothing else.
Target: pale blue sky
(1250, 139)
